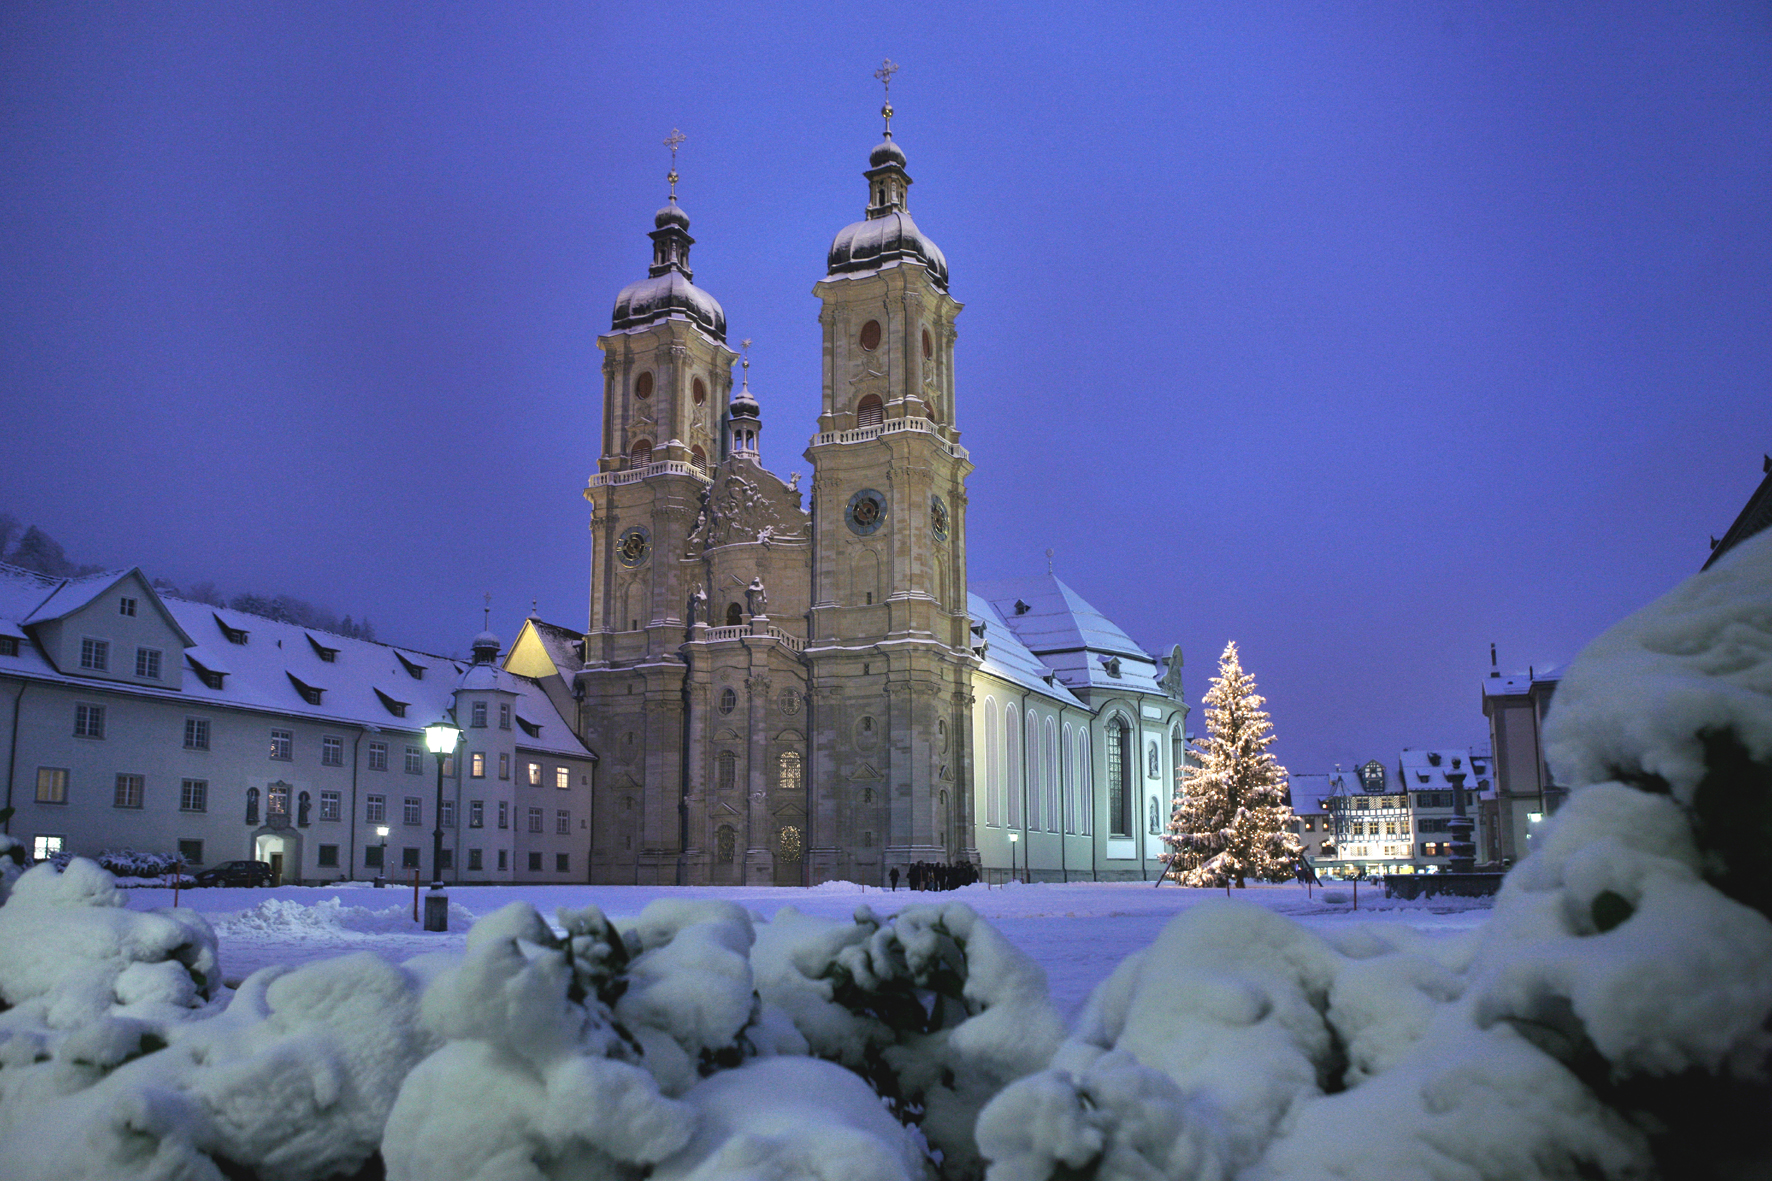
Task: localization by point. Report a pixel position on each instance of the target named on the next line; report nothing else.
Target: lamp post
(381, 830)
(441, 736)
(1014, 838)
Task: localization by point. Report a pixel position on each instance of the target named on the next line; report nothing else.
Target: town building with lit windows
(1375, 820)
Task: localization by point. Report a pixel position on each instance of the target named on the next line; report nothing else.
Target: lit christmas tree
(1232, 820)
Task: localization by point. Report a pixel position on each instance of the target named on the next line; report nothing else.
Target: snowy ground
(1078, 932)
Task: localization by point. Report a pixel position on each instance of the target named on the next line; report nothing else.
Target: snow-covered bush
(131, 863)
(13, 861)
(934, 1008)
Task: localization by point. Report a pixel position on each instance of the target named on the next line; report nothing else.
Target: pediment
(864, 772)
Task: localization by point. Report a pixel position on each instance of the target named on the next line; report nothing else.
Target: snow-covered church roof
(1007, 658)
(1057, 625)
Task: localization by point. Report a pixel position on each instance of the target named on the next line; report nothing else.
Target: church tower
(667, 376)
(888, 656)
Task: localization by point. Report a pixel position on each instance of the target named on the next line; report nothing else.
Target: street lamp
(441, 736)
(381, 830)
(1013, 838)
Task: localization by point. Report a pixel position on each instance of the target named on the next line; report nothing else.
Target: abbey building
(790, 684)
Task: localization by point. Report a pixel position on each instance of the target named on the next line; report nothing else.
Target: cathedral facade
(787, 685)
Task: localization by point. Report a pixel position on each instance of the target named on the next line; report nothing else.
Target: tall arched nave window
(993, 765)
(1054, 777)
(1119, 759)
(1012, 763)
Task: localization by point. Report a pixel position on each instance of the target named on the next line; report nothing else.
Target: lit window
(89, 721)
(278, 796)
(45, 847)
(562, 778)
(283, 744)
(196, 733)
(477, 767)
(95, 654)
(193, 795)
(535, 820)
(410, 814)
(147, 663)
(788, 774)
(479, 714)
(375, 809)
(52, 785)
(1534, 817)
(562, 823)
(332, 752)
(476, 814)
(331, 805)
(535, 775)
(129, 792)
(126, 606)
(415, 761)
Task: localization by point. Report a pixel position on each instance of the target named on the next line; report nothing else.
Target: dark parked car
(236, 873)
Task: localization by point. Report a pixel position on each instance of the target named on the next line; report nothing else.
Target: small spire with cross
(674, 141)
(884, 74)
(488, 619)
(745, 360)
(1049, 556)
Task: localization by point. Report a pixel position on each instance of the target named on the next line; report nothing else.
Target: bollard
(415, 895)
(1356, 893)
(436, 911)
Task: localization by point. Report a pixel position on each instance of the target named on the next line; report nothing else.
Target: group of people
(941, 876)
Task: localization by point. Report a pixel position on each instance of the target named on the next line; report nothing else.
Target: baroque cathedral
(789, 685)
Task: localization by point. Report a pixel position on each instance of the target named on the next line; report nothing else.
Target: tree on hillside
(1232, 819)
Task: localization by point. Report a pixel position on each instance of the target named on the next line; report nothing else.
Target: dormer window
(1112, 664)
(530, 728)
(208, 676)
(1433, 758)
(234, 635)
(415, 671)
(1022, 608)
(397, 708)
(329, 655)
(311, 694)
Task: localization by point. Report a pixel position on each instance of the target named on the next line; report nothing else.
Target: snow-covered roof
(662, 297)
(1426, 770)
(1081, 644)
(364, 683)
(868, 245)
(1519, 684)
(1008, 658)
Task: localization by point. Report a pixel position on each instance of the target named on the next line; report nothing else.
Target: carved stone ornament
(735, 510)
(789, 702)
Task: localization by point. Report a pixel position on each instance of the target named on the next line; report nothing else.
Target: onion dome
(669, 290)
(887, 235)
(485, 648)
(671, 215)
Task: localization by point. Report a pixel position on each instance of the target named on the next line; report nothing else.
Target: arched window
(1012, 764)
(1085, 782)
(643, 386)
(1119, 799)
(699, 457)
(993, 766)
(252, 805)
(734, 615)
(1036, 785)
(699, 391)
(870, 411)
(1178, 757)
(1068, 761)
(787, 775)
(641, 453)
(727, 764)
(1054, 774)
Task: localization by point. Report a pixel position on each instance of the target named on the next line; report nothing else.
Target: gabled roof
(1008, 658)
(71, 594)
(560, 647)
(1060, 627)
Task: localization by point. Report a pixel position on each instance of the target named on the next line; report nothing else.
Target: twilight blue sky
(1362, 333)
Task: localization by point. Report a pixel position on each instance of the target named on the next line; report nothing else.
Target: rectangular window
(446, 859)
(535, 863)
(535, 820)
(477, 768)
(562, 823)
(504, 715)
(501, 857)
(89, 721)
(95, 654)
(415, 761)
(448, 813)
(378, 756)
(410, 814)
(8, 645)
(283, 745)
(375, 809)
(126, 606)
(563, 778)
(475, 859)
(331, 805)
(372, 858)
(476, 814)
(129, 792)
(328, 858)
(45, 847)
(562, 863)
(479, 715)
(504, 814)
(504, 765)
(190, 852)
(332, 751)
(196, 733)
(193, 795)
(409, 858)
(147, 663)
(448, 766)
(535, 775)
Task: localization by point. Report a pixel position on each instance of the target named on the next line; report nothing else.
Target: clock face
(938, 518)
(866, 512)
(633, 547)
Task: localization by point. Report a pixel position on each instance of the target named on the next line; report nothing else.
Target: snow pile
(328, 919)
(12, 863)
(1611, 1019)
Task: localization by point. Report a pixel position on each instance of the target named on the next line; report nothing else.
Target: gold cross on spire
(673, 141)
(884, 74)
(745, 361)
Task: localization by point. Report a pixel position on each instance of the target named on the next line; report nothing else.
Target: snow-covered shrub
(13, 860)
(1612, 1019)
(131, 863)
(934, 1008)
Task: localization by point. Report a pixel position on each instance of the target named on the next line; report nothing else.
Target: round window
(700, 391)
(870, 335)
(643, 386)
(728, 700)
